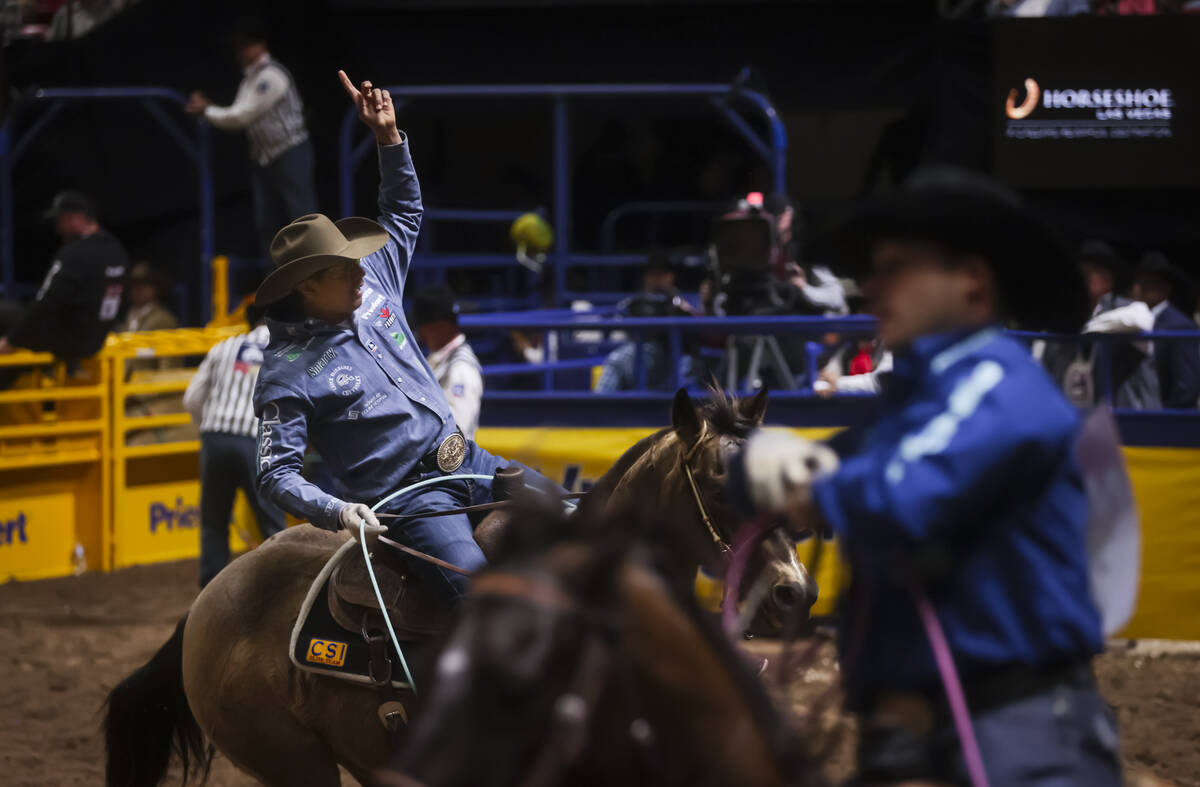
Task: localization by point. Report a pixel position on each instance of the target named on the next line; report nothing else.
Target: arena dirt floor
(68, 641)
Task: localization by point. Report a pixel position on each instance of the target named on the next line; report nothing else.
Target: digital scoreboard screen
(1097, 102)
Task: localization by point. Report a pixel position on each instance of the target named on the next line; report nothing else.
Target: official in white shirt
(220, 400)
(269, 109)
(453, 362)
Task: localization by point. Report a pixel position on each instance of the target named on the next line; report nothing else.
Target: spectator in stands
(815, 290)
(1038, 7)
(1125, 7)
(658, 298)
(77, 18)
(78, 302)
(1134, 381)
(146, 312)
(453, 362)
(220, 399)
(269, 108)
(1161, 286)
(856, 367)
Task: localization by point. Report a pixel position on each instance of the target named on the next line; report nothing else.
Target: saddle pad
(320, 645)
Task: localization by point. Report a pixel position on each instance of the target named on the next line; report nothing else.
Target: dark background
(868, 90)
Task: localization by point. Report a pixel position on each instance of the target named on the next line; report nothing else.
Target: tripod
(760, 345)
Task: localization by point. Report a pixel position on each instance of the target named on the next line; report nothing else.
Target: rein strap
(691, 479)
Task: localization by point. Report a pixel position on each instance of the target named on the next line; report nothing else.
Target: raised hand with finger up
(375, 109)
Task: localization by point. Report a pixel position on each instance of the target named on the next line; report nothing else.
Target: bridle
(574, 709)
(706, 435)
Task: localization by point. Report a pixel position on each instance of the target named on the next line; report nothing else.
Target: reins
(686, 462)
(496, 505)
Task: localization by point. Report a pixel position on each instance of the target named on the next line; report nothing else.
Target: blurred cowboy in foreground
(967, 487)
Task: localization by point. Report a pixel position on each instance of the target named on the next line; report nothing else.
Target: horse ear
(684, 417)
(754, 408)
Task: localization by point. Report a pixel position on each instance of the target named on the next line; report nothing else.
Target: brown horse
(574, 663)
(226, 677)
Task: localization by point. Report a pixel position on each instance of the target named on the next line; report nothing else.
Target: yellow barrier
(1166, 483)
(155, 448)
(54, 484)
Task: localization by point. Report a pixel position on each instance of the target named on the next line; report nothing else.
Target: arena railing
(1160, 426)
(16, 138)
(354, 145)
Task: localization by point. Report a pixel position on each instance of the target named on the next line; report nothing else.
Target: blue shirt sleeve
(282, 441)
(947, 473)
(400, 212)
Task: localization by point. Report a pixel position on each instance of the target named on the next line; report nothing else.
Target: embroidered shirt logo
(372, 346)
(249, 357)
(352, 415)
(321, 362)
(375, 400)
(343, 381)
(399, 338)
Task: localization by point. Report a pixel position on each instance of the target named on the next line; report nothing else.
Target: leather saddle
(415, 612)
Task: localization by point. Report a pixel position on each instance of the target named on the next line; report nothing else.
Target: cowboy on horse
(965, 491)
(343, 371)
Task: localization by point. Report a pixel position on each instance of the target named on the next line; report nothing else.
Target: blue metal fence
(354, 145)
(671, 331)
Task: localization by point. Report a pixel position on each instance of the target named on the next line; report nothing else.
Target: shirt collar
(300, 330)
(1161, 307)
(441, 355)
(257, 64)
(939, 351)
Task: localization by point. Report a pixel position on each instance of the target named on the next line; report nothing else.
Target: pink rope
(744, 541)
(954, 692)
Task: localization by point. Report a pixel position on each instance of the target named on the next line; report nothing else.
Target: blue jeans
(228, 463)
(619, 372)
(282, 190)
(1063, 737)
(451, 538)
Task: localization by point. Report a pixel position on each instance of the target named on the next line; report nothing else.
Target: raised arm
(400, 206)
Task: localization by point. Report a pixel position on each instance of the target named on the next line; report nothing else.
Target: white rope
(362, 540)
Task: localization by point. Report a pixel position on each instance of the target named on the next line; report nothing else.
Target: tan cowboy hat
(312, 243)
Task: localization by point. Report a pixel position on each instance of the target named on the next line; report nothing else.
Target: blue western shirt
(361, 394)
(967, 483)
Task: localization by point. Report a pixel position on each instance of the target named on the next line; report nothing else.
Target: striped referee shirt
(268, 107)
(220, 396)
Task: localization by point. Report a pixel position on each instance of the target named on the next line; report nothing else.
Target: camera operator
(757, 273)
(659, 298)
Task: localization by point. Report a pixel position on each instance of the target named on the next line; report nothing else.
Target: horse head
(678, 480)
(578, 664)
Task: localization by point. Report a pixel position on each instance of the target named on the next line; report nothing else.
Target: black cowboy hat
(1101, 255)
(435, 304)
(1040, 284)
(1155, 263)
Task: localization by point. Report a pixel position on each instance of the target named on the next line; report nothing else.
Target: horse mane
(593, 502)
(724, 414)
(720, 410)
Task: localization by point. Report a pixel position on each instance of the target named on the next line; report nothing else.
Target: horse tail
(148, 718)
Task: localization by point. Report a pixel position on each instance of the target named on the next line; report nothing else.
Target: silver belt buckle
(451, 453)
